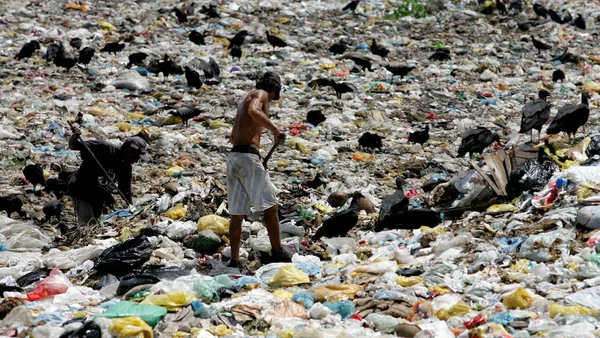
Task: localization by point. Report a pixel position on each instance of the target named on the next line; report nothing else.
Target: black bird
(183, 112)
(192, 77)
(361, 62)
(401, 71)
(540, 45)
(181, 16)
(236, 52)
(75, 43)
(419, 136)
(410, 219)
(339, 224)
(113, 47)
(11, 204)
(579, 22)
(57, 186)
(35, 175)
(501, 7)
(27, 50)
(66, 62)
(535, 114)
(136, 59)
(351, 6)
(210, 11)
(476, 140)
(339, 87)
(441, 55)
(570, 118)
(338, 47)
(517, 5)
(393, 203)
(238, 39)
(370, 140)
(524, 25)
(379, 50)
(558, 75)
(275, 41)
(555, 16)
(86, 55)
(315, 183)
(53, 208)
(315, 117)
(540, 10)
(166, 67)
(211, 68)
(54, 50)
(197, 38)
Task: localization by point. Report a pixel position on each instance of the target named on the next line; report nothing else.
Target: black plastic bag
(130, 281)
(594, 146)
(33, 277)
(532, 175)
(88, 330)
(123, 258)
(165, 272)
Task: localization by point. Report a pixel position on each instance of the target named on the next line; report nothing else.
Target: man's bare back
(252, 116)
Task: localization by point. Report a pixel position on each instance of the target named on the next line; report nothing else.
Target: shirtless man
(248, 182)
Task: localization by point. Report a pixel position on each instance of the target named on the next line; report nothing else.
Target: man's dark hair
(269, 82)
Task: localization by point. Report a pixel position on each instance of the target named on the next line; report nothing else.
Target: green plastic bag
(151, 314)
(208, 290)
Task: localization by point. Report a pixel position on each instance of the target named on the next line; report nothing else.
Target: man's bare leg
(272, 224)
(235, 236)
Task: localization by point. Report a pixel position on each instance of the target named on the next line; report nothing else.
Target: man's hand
(75, 130)
(279, 138)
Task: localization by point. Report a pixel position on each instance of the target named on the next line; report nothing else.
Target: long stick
(269, 155)
(103, 170)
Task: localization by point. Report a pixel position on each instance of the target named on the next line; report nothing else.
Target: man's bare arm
(259, 116)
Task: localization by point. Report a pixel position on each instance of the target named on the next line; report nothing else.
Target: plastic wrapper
(150, 314)
(334, 293)
(219, 225)
(55, 284)
(288, 275)
(131, 327)
(171, 301)
(520, 299)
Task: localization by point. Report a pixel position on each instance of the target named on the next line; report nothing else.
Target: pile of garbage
(501, 242)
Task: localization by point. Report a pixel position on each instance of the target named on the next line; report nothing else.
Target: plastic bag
(335, 293)
(304, 299)
(378, 267)
(532, 175)
(171, 301)
(459, 309)
(382, 323)
(217, 224)
(408, 281)
(130, 281)
(288, 275)
(540, 248)
(123, 258)
(520, 299)
(589, 217)
(209, 290)
(344, 308)
(563, 310)
(287, 308)
(88, 330)
(55, 284)
(318, 311)
(131, 327)
(176, 212)
(150, 314)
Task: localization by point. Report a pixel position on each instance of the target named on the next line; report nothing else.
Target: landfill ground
(515, 252)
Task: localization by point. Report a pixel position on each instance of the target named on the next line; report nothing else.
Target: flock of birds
(394, 210)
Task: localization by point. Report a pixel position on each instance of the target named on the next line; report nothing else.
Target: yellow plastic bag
(562, 310)
(408, 281)
(176, 212)
(283, 294)
(520, 299)
(335, 293)
(459, 309)
(171, 301)
(219, 225)
(174, 171)
(107, 26)
(124, 127)
(218, 123)
(220, 330)
(171, 120)
(288, 275)
(131, 327)
(501, 208)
